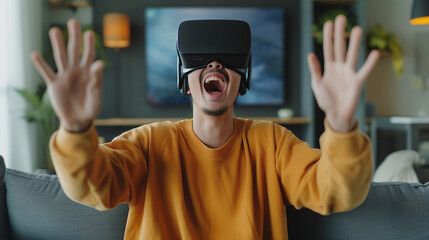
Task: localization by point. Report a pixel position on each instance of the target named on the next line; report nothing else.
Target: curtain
(20, 34)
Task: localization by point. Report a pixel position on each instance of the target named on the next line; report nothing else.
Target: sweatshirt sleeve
(333, 179)
(98, 175)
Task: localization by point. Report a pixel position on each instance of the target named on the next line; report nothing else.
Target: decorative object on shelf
(285, 113)
(330, 15)
(420, 12)
(40, 111)
(116, 34)
(388, 44)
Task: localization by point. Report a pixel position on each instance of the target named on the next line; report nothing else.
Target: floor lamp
(420, 12)
(116, 34)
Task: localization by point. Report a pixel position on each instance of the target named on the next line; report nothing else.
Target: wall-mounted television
(267, 27)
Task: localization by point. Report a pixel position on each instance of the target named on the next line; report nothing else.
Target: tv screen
(266, 24)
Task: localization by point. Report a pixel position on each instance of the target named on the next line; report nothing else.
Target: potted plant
(40, 111)
(388, 44)
(330, 15)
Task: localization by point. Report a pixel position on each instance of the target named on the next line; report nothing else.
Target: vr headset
(202, 41)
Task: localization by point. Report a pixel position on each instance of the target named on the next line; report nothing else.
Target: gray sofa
(33, 206)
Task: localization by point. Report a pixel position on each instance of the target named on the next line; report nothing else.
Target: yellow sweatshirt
(177, 188)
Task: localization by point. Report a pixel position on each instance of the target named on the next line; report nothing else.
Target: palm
(75, 89)
(337, 90)
(73, 97)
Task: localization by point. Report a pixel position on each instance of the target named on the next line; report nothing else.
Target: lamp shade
(116, 30)
(420, 12)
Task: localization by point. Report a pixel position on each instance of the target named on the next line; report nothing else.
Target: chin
(216, 113)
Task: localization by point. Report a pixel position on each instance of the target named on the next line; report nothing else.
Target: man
(213, 176)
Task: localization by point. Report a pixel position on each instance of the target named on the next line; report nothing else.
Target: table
(414, 128)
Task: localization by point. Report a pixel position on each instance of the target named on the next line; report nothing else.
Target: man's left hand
(337, 91)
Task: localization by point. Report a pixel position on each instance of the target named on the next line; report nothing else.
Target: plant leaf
(398, 65)
(377, 42)
(31, 98)
(45, 99)
(32, 115)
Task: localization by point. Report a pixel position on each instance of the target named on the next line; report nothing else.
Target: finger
(339, 38)
(314, 67)
(96, 70)
(43, 68)
(88, 51)
(328, 41)
(353, 51)
(73, 45)
(94, 88)
(369, 65)
(58, 48)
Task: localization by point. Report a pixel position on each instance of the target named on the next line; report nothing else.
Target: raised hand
(75, 89)
(337, 91)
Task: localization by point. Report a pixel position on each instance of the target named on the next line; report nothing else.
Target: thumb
(369, 64)
(42, 68)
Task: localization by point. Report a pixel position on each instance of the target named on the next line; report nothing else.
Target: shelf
(69, 4)
(335, 1)
(141, 121)
(292, 120)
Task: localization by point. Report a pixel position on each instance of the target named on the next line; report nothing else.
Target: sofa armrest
(4, 219)
(39, 209)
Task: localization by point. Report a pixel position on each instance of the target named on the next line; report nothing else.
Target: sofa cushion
(4, 222)
(391, 211)
(39, 209)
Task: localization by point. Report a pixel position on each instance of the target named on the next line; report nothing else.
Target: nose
(215, 64)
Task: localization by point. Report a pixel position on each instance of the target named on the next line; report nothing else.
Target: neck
(213, 131)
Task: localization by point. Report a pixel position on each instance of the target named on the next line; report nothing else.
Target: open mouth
(214, 84)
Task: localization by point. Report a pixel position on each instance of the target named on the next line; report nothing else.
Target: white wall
(24, 29)
(19, 37)
(395, 95)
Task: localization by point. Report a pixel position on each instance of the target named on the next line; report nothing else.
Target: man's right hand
(75, 89)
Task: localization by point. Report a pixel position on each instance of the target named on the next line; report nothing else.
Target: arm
(338, 177)
(96, 175)
(100, 176)
(335, 179)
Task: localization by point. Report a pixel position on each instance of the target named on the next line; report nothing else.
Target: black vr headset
(202, 41)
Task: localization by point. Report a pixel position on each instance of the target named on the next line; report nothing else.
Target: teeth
(220, 80)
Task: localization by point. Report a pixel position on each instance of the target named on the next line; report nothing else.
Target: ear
(188, 92)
